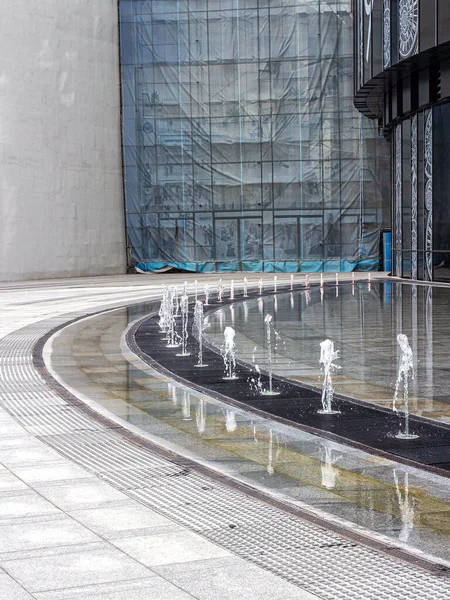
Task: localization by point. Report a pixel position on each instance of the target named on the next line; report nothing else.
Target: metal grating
(318, 560)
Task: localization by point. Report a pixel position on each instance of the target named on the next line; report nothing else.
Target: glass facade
(242, 147)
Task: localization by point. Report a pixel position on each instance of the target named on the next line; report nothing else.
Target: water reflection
(347, 483)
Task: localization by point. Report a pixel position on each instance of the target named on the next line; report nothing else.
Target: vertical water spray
(337, 278)
(405, 372)
(172, 336)
(292, 283)
(220, 291)
(206, 292)
(321, 280)
(269, 327)
(196, 290)
(260, 286)
(176, 303)
(184, 307)
(327, 355)
(164, 312)
(245, 287)
(353, 277)
(275, 284)
(229, 354)
(185, 290)
(307, 281)
(200, 324)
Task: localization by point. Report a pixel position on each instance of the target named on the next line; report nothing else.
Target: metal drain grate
(305, 554)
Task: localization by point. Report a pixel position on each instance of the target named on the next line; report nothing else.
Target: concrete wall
(61, 200)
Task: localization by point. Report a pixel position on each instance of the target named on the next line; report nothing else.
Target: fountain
(327, 355)
(353, 277)
(406, 506)
(176, 303)
(255, 382)
(292, 283)
(232, 290)
(321, 280)
(185, 290)
(229, 354)
(206, 292)
(405, 371)
(220, 291)
(172, 336)
(196, 290)
(200, 324)
(184, 307)
(268, 322)
(260, 285)
(337, 278)
(164, 312)
(275, 284)
(245, 287)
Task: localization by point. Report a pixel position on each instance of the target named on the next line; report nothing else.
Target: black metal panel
(427, 24)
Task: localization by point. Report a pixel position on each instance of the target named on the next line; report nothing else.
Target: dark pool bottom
(365, 426)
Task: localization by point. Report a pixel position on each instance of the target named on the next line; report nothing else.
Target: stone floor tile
(154, 588)
(24, 504)
(11, 590)
(79, 495)
(230, 578)
(8, 482)
(64, 470)
(71, 569)
(169, 546)
(60, 531)
(110, 520)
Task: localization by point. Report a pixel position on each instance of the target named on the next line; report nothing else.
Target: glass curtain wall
(242, 148)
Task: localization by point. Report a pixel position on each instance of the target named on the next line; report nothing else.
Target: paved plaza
(117, 482)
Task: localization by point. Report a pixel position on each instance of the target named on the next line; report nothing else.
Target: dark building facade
(402, 79)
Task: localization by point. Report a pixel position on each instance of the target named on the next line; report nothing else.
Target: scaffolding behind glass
(242, 148)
